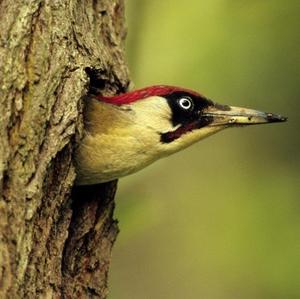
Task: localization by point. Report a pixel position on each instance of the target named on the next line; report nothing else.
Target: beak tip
(275, 118)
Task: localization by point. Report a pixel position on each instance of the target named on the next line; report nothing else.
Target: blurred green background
(222, 218)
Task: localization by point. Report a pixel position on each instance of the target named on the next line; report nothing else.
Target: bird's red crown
(135, 95)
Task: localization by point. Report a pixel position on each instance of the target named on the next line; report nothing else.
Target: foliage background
(221, 219)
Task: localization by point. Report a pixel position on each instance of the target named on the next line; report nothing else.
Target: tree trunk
(55, 242)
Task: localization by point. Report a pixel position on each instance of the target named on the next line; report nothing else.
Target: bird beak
(220, 115)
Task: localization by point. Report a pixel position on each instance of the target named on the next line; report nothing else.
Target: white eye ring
(185, 103)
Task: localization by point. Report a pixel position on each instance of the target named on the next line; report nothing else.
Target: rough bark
(55, 242)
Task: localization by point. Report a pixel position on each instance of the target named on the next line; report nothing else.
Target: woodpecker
(127, 132)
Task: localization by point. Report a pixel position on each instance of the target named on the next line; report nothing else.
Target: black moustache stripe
(169, 137)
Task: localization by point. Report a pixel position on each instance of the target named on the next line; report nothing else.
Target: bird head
(180, 117)
(127, 132)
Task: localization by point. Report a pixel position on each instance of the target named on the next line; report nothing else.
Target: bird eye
(185, 103)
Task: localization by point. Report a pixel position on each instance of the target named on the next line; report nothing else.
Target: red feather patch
(132, 96)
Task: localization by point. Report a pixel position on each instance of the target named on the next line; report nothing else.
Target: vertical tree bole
(55, 239)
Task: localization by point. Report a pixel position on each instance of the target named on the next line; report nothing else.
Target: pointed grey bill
(231, 116)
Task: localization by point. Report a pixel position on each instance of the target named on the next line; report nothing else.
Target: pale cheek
(154, 114)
